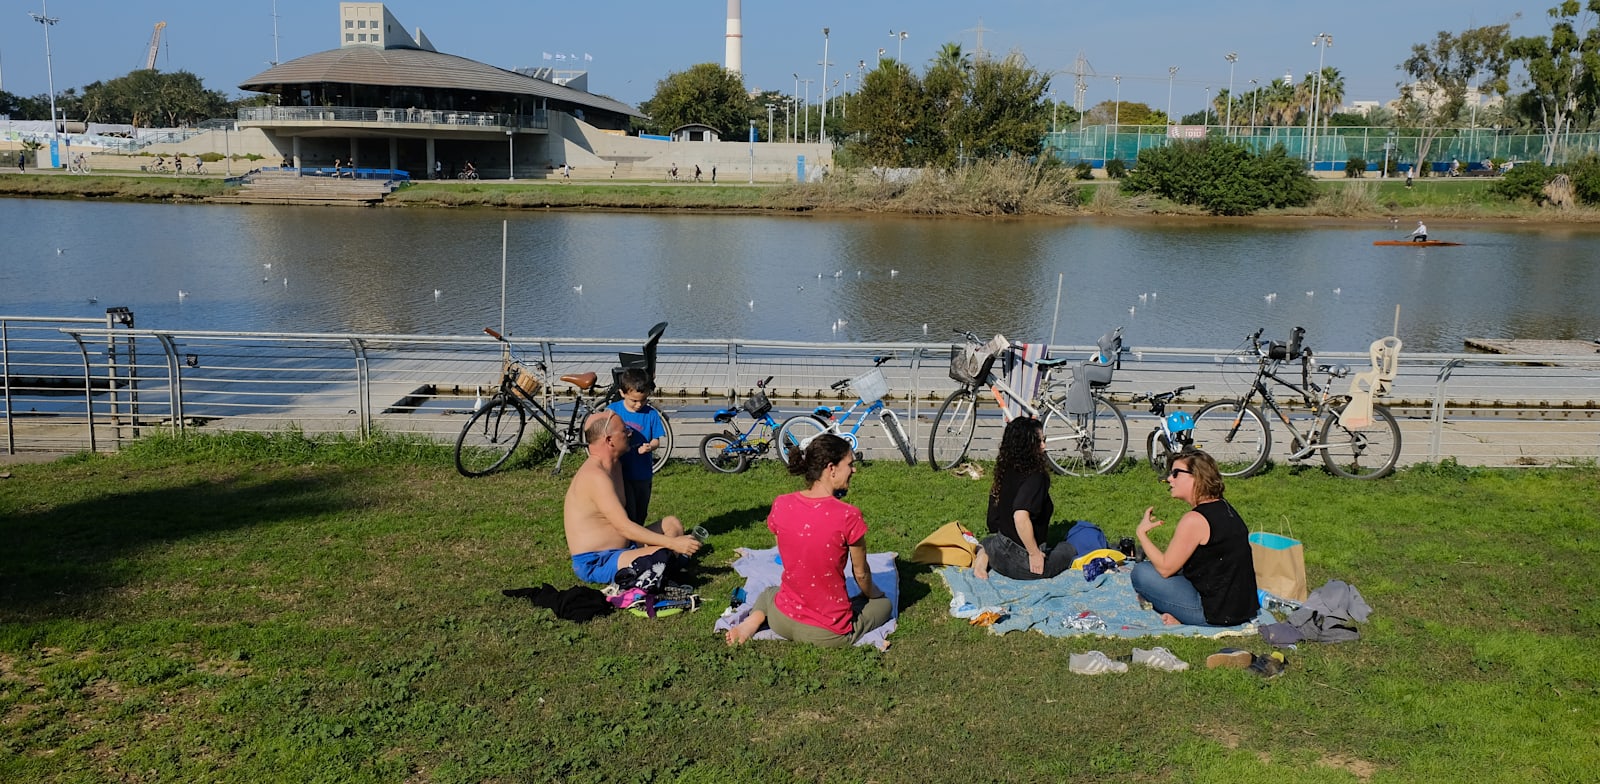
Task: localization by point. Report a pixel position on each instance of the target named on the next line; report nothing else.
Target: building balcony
(407, 121)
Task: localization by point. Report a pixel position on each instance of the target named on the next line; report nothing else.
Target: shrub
(1083, 170)
(1355, 168)
(1524, 183)
(1585, 175)
(210, 157)
(1116, 169)
(1224, 177)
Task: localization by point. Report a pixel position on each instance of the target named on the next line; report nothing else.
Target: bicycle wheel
(720, 453)
(952, 431)
(664, 450)
(490, 436)
(1237, 437)
(1085, 444)
(1361, 453)
(897, 434)
(796, 432)
(1155, 445)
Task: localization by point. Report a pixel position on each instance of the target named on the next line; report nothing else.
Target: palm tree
(1332, 92)
(1279, 103)
(951, 56)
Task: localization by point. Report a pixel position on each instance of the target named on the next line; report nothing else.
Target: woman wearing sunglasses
(1205, 577)
(1020, 509)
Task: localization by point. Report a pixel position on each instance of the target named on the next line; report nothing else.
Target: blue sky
(635, 43)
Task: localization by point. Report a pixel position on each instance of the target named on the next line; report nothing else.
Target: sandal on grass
(1234, 658)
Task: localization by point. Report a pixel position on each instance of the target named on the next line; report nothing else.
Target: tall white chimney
(735, 45)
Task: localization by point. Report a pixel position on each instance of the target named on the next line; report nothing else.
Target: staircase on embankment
(289, 188)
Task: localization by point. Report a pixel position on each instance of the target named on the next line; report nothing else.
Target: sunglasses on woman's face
(1173, 474)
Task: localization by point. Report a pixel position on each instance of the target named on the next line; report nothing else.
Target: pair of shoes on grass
(1096, 663)
(1267, 666)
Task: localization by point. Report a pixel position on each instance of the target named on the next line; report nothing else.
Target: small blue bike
(730, 451)
(1173, 432)
(870, 389)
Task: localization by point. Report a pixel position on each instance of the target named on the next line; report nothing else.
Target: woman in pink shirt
(816, 532)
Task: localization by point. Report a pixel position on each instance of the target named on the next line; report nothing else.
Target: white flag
(588, 58)
(546, 55)
(560, 56)
(572, 57)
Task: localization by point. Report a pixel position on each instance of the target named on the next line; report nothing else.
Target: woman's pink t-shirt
(814, 535)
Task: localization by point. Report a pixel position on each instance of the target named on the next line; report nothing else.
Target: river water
(1168, 282)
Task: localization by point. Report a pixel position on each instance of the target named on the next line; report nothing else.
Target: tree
(890, 113)
(1124, 113)
(1441, 73)
(1561, 71)
(1005, 111)
(945, 86)
(706, 93)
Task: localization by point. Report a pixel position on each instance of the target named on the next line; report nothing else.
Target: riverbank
(980, 196)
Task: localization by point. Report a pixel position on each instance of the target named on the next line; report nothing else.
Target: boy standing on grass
(644, 437)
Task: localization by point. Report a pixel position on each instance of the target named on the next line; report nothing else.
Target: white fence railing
(91, 385)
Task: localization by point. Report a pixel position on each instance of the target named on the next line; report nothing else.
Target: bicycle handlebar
(762, 384)
(493, 334)
(1160, 396)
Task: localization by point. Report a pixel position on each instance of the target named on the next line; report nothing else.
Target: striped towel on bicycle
(1021, 373)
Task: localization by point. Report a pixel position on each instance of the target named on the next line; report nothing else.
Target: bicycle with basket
(730, 451)
(1085, 433)
(526, 392)
(871, 388)
(1354, 436)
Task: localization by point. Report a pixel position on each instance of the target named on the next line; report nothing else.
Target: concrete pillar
(353, 162)
(394, 153)
(296, 154)
(429, 173)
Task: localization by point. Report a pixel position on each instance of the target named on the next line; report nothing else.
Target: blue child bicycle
(730, 451)
(870, 389)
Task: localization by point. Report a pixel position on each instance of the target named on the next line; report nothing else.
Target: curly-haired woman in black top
(1020, 510)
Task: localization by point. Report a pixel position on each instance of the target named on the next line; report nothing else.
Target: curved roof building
(382, 84)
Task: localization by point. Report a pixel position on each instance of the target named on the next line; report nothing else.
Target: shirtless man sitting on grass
(600, 536)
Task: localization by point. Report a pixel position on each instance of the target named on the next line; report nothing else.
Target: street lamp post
(770, 107)
(794, 134)
(1053, 106)
(1254, 93)
(1322, 41)
(511, 156)
(1205, 110)
(1116, 112)
(1232, 58)
(805, 113)
(900, 47)
(49, 72)
(1172, 73)
(844, 104)
(823, 133)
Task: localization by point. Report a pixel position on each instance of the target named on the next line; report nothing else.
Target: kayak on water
(1421, 244)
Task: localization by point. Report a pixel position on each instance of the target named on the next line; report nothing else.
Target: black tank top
(1221, 570)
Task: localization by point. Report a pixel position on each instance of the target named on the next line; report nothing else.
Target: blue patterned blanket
(1050, 606)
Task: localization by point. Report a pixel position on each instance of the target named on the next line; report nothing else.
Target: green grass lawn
(249, 610)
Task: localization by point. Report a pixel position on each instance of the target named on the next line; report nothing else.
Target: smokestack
(735, 45)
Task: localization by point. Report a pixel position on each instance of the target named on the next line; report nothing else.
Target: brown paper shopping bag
(1280, 565)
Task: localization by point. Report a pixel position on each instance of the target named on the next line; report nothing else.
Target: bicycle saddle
(583, 381)
(1046, 364)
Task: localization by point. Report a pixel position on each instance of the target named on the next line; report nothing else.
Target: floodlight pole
(48, 21)
(823, 128)
(1322, 41)
(1233, 59)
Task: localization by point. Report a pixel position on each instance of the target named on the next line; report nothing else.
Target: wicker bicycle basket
(522, 377)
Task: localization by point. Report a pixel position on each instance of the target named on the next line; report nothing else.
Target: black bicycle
(1239, 437)
(496, 426)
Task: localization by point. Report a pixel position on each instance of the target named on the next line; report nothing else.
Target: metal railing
(430, 117)
(86, 384)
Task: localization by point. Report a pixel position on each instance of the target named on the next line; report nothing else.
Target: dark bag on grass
(578, 603)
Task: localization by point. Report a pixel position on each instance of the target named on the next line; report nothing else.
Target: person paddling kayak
(1419, 234)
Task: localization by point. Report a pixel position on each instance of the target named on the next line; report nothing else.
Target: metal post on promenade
(1322, 41)
(823, 132)
(49, 72)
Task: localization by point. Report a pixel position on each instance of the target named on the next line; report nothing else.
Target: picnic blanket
(761, 570)
(1049, 606)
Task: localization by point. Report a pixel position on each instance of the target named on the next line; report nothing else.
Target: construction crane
(155, 46)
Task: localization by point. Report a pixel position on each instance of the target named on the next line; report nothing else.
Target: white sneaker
(1160, 658)
(1094, 663)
